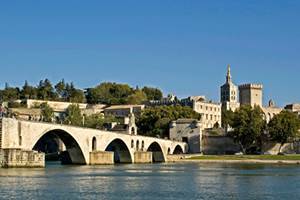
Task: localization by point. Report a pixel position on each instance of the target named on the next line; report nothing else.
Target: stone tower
(229, 93)
(251, 94)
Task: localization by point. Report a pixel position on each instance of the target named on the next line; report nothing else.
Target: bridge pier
(142, 157)
(101, 158)
(13, 158)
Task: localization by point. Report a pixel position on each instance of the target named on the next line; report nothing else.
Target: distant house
(124, 110)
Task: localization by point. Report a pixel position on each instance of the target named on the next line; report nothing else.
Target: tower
(251, 94)
(229, 92)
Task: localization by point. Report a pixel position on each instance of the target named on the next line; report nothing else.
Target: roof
(124, 107)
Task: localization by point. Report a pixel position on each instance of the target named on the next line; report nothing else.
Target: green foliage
(98, 121)
(73, 115)
(138, 97)
(9, 94)
(227, 117)
(46, 112)
(248, 128)
(284, 127)
(45, 91)
(153, 93)
(106, 93)
(155, 120)
(109, 93)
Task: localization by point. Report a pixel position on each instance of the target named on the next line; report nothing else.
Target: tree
(60, 89)
(46, 112)
(284, 127)
(155, 120)
(138, 97)
(73, 115)
(28, 92)
(153, 93)
(98, 121)
(109, 93)
(46, 91)
(10, 93)
(248, 128)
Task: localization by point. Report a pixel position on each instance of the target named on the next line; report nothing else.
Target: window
(94, 144)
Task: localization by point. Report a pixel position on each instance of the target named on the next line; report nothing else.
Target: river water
(153, 181)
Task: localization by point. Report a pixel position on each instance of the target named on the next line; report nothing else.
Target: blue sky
(180, 46)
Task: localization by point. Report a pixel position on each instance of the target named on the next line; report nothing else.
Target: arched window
(137, 145)
(94, 144)
(132, 144)
(132, 131)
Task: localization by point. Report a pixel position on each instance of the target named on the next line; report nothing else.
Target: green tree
(109, 93)
(138, 97)
(73, 115)
(153, 93)
(155, 120)
(46, 91)
(248, 128)
(46, 112)
(60, 89)
(227, 117)
(284, 127)
(98, 121)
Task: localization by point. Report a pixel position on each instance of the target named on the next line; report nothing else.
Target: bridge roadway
(82, 143)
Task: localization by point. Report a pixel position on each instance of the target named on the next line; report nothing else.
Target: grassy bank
(249, 157)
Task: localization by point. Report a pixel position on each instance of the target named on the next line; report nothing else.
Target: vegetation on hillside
(104, 93)
(154, 121)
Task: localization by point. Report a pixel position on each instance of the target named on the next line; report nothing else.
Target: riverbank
(258, 159)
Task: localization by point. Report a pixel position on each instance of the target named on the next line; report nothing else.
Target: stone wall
(215, 145)
(142, 157)
(288, 148)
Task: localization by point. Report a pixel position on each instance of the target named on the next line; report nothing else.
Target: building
(210, 111)
(229, 93)
(169, 100)
(270, 111)
(295, 107)
(124, 110)
(189, 131)
(251, 94)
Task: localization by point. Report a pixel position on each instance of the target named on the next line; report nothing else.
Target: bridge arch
(121, 151)
(74, 152)
(178, 150)
(157, 152)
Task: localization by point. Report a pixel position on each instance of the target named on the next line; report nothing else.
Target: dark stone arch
(73, 153)
(94, 144)
(121, 151)
(157, 153)
(178, 150)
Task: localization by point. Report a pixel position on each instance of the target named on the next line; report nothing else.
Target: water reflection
(157, 181)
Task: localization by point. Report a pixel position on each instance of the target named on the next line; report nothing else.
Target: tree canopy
(284, 127)
(154, 121)
(248, 128)
(73, 115)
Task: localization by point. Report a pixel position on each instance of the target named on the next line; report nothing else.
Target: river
(153, 181)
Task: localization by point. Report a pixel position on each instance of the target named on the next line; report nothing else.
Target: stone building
(295, 107)
(210, 111)
(189, 131)
(270, 111)
(251, 94)
(229, 93)
(124, 110)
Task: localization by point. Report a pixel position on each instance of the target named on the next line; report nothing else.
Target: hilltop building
(229, 93)
(210, 111)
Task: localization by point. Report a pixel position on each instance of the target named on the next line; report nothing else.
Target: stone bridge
(89, 146)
